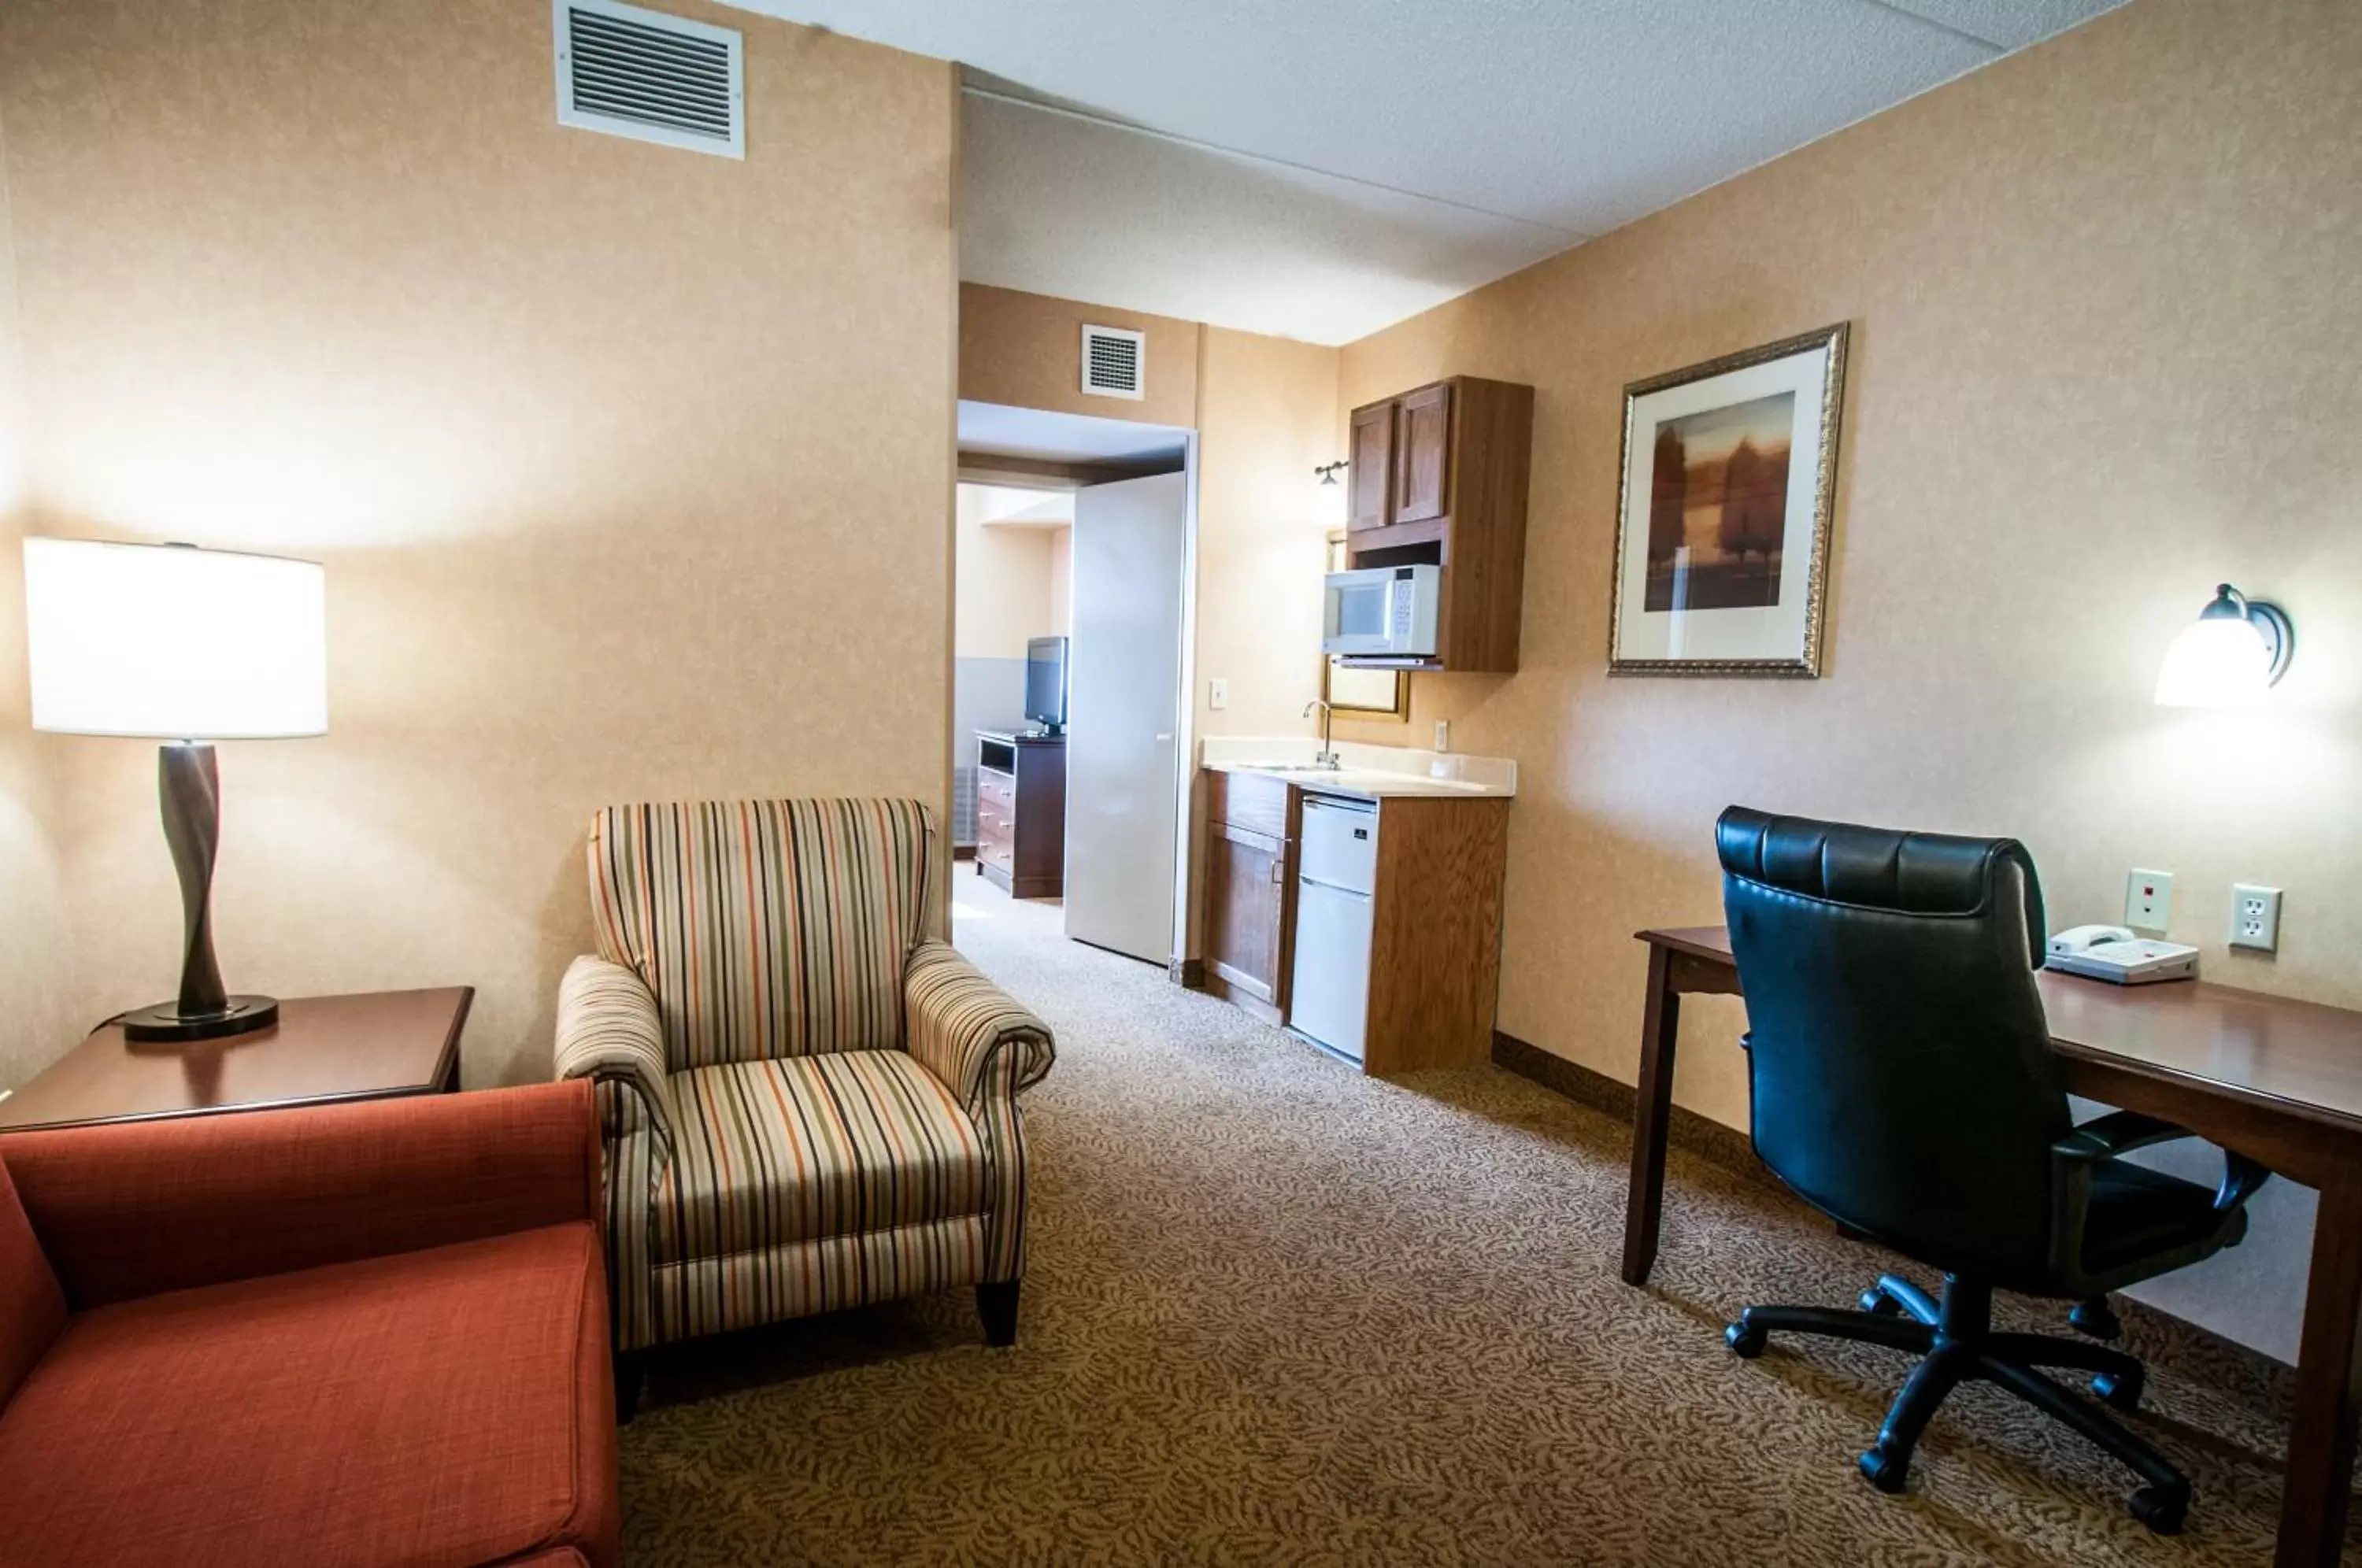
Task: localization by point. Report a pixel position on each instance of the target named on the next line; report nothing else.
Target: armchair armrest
(967, 1031)
(2119, 1132)
(608, 1031)
(141, 1207)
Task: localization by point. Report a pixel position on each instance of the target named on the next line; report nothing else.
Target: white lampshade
(2214, 664)
(174, 642)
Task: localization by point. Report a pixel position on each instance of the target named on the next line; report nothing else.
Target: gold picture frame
(1378, 694)
(1741, 472)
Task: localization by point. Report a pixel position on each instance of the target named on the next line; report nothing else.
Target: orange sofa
(369, 1333)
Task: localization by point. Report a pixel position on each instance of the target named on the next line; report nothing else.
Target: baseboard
(963, 852)
(1703, 1136)
(1735, 1153)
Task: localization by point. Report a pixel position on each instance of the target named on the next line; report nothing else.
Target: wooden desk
(375, 1045)
(2278, 1080)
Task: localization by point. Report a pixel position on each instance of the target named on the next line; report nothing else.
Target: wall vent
(649, 76)
(1115, 362)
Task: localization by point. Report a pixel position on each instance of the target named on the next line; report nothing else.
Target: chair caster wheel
(1745, 1340)
(2095, 1317)
(1885, 1472)
(1877, 1301)
(2117, 1393)
(2163, 1509)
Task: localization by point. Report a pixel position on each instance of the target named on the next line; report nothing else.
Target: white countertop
(1369, 772)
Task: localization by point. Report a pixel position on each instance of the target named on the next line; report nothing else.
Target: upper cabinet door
(1372, 476)
(1422, 453)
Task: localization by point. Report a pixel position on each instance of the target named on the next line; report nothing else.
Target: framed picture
(1365, 694)
(1723, 536)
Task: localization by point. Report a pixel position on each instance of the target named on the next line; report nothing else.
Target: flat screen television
(1045, 682)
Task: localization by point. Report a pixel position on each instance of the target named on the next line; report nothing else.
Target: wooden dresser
(1020, 812)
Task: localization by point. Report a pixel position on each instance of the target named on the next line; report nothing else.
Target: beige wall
(631, 467)
(1008, 578)
(35, 969)
(2096, 368)
(1266, 419)
(1062, 583)
(1025, 351)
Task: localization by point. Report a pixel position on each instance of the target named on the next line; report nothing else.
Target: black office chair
(1903, 1085)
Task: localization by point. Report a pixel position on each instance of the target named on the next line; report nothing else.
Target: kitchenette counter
(1368, 772)
(1359, 905)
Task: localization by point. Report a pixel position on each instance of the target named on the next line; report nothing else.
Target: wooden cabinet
(1423, 452)
(1435, 933)
(1372, 470)
(1435, 904)
(1440, 476)
(1250, 830)
(1020, 812)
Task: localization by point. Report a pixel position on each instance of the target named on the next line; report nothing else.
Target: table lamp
(189, 646)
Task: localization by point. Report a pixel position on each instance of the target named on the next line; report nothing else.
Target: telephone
(2114, 952)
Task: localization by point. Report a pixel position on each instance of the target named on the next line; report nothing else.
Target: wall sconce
(1329, 471)
(2236, 650)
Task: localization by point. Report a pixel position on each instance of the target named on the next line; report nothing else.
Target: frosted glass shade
(2218, 661)
(174, 642)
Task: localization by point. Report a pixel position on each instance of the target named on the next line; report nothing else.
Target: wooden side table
(371, 1045)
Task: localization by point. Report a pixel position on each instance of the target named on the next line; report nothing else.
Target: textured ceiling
(1322, 168)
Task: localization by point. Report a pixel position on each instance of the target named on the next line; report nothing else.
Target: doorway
(1074, 568)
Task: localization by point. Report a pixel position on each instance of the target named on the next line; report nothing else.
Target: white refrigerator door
(1329, 995)
(1123, 799)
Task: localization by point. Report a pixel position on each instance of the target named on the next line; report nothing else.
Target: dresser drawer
(997, 787)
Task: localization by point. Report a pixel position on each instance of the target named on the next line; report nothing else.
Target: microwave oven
(1389, 612)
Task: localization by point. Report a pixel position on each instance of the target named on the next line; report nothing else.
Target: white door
(1123, 803)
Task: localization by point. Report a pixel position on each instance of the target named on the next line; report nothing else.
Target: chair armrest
(2103, 1137)
(146, 1207)
(608, 1031)
(2119, 1132)
(967, 1031)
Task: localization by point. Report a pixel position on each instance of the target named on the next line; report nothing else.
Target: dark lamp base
(166, 1021)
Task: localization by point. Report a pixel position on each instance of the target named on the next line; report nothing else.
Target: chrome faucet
(1326, 755)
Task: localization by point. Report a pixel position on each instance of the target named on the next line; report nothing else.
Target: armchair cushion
(968, 1031)
(608, 1031)
(448, 1406)
(813, 1147)
(763, 929)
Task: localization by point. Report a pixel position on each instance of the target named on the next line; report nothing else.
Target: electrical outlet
(2255, 917)
(1443, 734)
(1217, 694)
(2148, 899)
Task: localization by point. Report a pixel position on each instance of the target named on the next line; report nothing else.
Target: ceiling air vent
(649, 76)
(1114, 361)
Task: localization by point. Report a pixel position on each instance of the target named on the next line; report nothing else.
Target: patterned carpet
(1280, 1313)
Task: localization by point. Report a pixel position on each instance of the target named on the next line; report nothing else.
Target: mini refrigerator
(1337, 863)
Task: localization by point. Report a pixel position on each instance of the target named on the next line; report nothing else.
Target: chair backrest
(1898, 1058)
(765, 928)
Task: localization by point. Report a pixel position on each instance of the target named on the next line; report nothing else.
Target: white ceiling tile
(1086, 210)
(1423, 145)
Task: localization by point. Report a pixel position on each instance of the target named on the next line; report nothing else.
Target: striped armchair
(806, 1103)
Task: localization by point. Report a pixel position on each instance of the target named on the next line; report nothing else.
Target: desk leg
(2329, 1388)
(1652, 1106)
